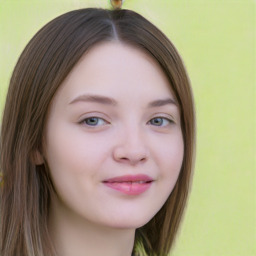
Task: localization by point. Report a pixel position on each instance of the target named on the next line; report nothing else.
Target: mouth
(130, 184)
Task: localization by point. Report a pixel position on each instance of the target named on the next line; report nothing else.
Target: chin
(131, 222)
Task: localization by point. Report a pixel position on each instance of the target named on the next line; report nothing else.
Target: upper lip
(130, 178)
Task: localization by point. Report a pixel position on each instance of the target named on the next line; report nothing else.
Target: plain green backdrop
(217, 42)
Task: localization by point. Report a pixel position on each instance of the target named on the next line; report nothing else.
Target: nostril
(143, 159)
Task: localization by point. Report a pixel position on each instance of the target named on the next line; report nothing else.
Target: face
(113, 140)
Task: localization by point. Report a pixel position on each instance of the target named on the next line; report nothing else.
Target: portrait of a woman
(97, 139)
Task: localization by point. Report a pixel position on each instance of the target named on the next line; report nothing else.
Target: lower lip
(129, 188)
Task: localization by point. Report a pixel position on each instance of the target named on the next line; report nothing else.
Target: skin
(90, 139)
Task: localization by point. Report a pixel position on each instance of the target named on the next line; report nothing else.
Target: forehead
(112, 68)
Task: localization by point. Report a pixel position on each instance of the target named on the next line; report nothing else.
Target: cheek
(70, 163)
(171, 159)
(61, 151)
(70, 151)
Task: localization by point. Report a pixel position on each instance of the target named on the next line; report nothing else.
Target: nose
(131, 148)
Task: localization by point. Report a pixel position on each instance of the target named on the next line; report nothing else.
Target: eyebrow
(110, 101)
(162, 102)
(94, 98)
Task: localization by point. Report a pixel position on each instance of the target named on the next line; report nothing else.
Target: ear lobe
(37, 158)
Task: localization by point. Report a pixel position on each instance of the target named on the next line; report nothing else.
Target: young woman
(97, 140)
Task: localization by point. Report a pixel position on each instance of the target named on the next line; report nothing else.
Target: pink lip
(130, 184)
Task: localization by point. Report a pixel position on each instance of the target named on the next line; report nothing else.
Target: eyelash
(103, 121)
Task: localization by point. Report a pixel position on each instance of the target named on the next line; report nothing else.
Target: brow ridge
(110, 101)
(94, 98)
(162, 102)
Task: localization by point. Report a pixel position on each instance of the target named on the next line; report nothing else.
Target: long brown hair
(43, 65)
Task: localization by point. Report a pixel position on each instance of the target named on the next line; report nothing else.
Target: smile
(130, 184)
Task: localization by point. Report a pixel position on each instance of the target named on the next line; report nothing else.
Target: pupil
(92, 120)
(157, 121)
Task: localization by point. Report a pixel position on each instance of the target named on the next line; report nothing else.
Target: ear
(37, 158)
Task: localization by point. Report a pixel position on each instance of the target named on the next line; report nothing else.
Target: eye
(94, 121)
(160, 121)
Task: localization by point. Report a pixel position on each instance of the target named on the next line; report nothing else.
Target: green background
(217, 42)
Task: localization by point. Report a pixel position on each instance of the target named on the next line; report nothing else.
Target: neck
(76, 236)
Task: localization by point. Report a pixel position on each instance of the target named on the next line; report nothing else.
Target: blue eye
(93, 121)
(160, 121)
